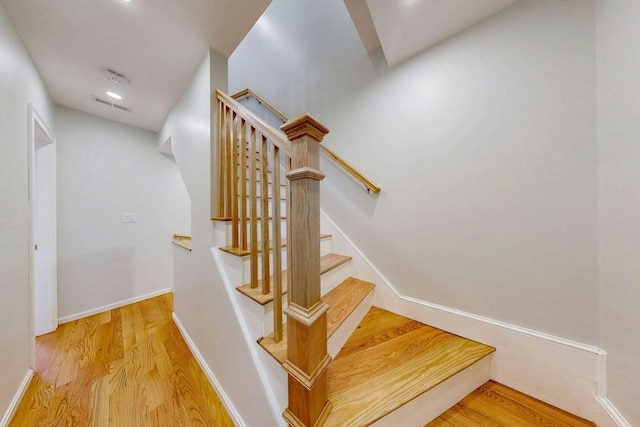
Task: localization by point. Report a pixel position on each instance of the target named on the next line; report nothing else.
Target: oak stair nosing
(327, 263)
(239, 252)
(342, 301)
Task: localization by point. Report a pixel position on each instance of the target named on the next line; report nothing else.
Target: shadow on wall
(341, 187)
(97, 279)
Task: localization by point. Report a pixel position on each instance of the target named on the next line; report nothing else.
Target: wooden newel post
(307, 357)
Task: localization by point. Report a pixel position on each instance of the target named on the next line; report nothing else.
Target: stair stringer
(271, 377)
(256, 320)
(564, 373)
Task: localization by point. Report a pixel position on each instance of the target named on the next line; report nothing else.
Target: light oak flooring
(127, 367)
(494, 405)
(390, 360)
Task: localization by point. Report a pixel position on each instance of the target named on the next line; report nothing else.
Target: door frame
(35, 119)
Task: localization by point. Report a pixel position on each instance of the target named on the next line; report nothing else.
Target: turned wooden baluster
(307, 357)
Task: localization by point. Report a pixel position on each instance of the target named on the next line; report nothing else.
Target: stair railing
(249, 149)
(368, 184)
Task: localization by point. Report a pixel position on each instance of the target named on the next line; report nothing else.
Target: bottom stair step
(342, 300)
(498, 405)
(389, 361)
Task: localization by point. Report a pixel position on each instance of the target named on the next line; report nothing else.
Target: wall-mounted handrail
(368, 184)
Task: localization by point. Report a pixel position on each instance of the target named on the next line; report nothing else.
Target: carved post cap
(304, 124)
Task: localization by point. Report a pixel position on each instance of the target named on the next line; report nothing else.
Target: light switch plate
(128, 217)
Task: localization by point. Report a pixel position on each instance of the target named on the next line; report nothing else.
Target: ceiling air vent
(110, 104)
(116, 77)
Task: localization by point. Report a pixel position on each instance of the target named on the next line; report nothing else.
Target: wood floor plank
(494, 404)
(127, 367)
(389, 361)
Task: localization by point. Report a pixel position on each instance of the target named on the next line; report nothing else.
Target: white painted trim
(251, 345)
(519, 329)
(16, 399)
(102, 309)
(33, 119)
(228, 404)
(559, 371)
(516, 328)
(607, 415)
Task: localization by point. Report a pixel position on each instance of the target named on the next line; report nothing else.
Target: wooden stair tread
(327, 263)
(244, 252)
(342, 300)
(394, 361)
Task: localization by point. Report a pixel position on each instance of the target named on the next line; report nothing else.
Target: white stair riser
(283, 207)
(430, 405)
(329, 279)
(325, 248)
(239, 268)
(344, 331)
(222, 231)
(270, 187)
(333, 278)
(268, 316)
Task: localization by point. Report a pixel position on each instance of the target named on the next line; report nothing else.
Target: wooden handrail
(248, 92)
(260, 125)
(368, 184)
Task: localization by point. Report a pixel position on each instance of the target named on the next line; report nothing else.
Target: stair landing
(390, 360)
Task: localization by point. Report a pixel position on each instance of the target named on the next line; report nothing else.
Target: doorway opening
(43, 292)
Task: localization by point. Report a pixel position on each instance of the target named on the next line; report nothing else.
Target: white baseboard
(16, 399)
(607, 415)
(231, 409)
(274, 397)
(561, 372)
(102, 309)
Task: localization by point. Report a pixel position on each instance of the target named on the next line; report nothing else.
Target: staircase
(348, 362)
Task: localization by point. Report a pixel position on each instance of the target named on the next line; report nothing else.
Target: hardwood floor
(493, 405)
(126, 367)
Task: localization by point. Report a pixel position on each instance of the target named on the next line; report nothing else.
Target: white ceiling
(157, 44)
(405, 28)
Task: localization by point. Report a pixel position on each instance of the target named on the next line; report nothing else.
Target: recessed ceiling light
(114, 95)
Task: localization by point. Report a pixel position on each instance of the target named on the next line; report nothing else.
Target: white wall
(484, 147)
(20, 84)
(106, 168)
(201, 302)
(618, 51)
